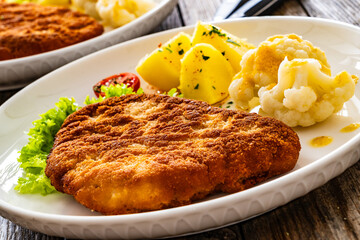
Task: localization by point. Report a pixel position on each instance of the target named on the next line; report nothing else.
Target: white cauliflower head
(116, 13)
(86, 6)
(259, 66)
(304, 94)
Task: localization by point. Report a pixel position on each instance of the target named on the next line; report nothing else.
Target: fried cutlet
(145, 152)
(28, 29)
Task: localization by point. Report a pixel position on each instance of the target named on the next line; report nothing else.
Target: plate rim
(189, 209)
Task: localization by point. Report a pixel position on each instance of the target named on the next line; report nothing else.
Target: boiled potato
(161, 68)
(232, 47)
(205, 74)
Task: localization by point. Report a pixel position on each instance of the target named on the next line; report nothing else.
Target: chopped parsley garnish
(160, 50)
(200, 70)
(179, 43)
(215, 30)
(205, 57)
(181, 52)
(169, 49)
(197, 86)
(214, 87)
(231, 102)
(223, 53)
(229, 40)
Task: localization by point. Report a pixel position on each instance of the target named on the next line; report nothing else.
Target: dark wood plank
(233, 232)
(290, 8)
(11, 231)
(193, 11)
(5, 95)
(174, 20)
(343, 10)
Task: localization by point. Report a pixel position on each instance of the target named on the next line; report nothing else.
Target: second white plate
(19, 72)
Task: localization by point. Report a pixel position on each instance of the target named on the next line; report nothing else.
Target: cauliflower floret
(86, 6)
(116, 13)
(305, 94)
(294, 98)
(259, 66)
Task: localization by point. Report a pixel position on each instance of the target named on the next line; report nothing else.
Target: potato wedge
(161, 68)
(232, 47)
(205, 74)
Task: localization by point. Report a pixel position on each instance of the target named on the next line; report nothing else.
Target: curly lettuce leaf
(173, 93)
(122, 89)
(34, 154)
(113, 91)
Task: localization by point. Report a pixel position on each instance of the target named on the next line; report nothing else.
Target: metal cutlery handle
(227, 8)
(254, 8)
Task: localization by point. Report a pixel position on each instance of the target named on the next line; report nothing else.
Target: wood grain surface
(328, 212)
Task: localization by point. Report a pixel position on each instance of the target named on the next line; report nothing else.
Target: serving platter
(16, 73)
(61, 215)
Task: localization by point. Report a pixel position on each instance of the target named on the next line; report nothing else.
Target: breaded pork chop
(28, 29)
(139, 153)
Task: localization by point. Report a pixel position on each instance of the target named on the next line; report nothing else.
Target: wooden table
(329, 212)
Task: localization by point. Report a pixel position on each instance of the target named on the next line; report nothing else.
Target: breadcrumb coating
(28, 29)
(139, 153)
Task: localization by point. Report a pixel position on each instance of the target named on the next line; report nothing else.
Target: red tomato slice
(129, 79)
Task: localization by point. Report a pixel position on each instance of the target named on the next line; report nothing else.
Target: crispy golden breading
(139, 153)
(28, 29)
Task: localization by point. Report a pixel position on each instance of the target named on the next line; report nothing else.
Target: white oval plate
(19, 72)
(61, 215)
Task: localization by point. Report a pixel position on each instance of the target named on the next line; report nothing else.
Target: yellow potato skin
(205, 74)
(161, 68)
(232, 47)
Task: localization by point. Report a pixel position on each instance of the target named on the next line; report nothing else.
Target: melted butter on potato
(161, 68)
(205, 74)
